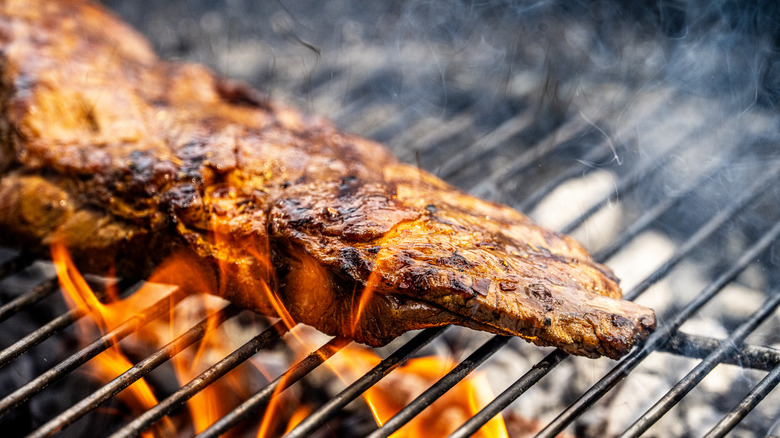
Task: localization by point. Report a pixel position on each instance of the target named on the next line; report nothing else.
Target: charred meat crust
(129, 161)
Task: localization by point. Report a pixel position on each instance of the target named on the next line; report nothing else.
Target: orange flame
(385, 399)
(445, 414)
(204, 406)
(297, 416)
(271, 416)
(403, 385)
(217, 399)
(112, 362)
(213, 401)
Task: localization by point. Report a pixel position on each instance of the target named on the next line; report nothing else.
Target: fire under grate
(713, 175)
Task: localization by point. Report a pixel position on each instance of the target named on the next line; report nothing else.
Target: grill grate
(530, 149)
(667, 338)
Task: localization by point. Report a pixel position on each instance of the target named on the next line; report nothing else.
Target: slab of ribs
(130, 161)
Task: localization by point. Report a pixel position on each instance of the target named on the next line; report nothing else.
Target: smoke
(500, 96)
(497, 80)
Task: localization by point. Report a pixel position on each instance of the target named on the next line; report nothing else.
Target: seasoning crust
(129, 161)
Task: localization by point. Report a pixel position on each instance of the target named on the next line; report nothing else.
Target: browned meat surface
(129, 160)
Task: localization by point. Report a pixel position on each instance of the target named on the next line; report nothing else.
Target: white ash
(569, 200)
(639, 258)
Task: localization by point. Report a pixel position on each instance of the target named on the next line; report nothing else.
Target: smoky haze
(467, 88)
(501, 97)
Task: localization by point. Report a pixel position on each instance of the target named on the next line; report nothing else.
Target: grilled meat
(129, 161)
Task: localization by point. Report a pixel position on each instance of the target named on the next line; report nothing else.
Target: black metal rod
(626, 184)
(754, 397)
(447, 130)
(539, 370)
(652, 214)
(326, 411)
(596, 155)
(576, 128)
(359, 114)
(139, 370)
(385, 131)
(443, 385)
(658, 338)
(425, 136)
(16, 264)
(759, 187)
(600, 153)
(745, 356)
(263, 397)
(492, 141)
(93, 349)
(267, 338)
(632, 180)
(27, 299)
(50, 329)
(520, 386)
(687, 383)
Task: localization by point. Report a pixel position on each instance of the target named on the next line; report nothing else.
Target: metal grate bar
(628, 183)
(364, 117)
(745, 356)
(51, 328)
(683, 344)
(758, 187)
(16, 264)
(547, 364)
(28, 299)
(600, 153)
(386, 131)
(686, 384)
(754, 397)
(135, 373)
(326, 411)
(96, 347)
(267, 338)
(443, 385)
(658, 338)
(473, 424)
(264, 396)
(403, 140)
(486, 186)
(596, 155)
(476, 150)
(438, 132)
(653, 213)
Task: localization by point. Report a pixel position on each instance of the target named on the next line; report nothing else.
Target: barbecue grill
(649, 147)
